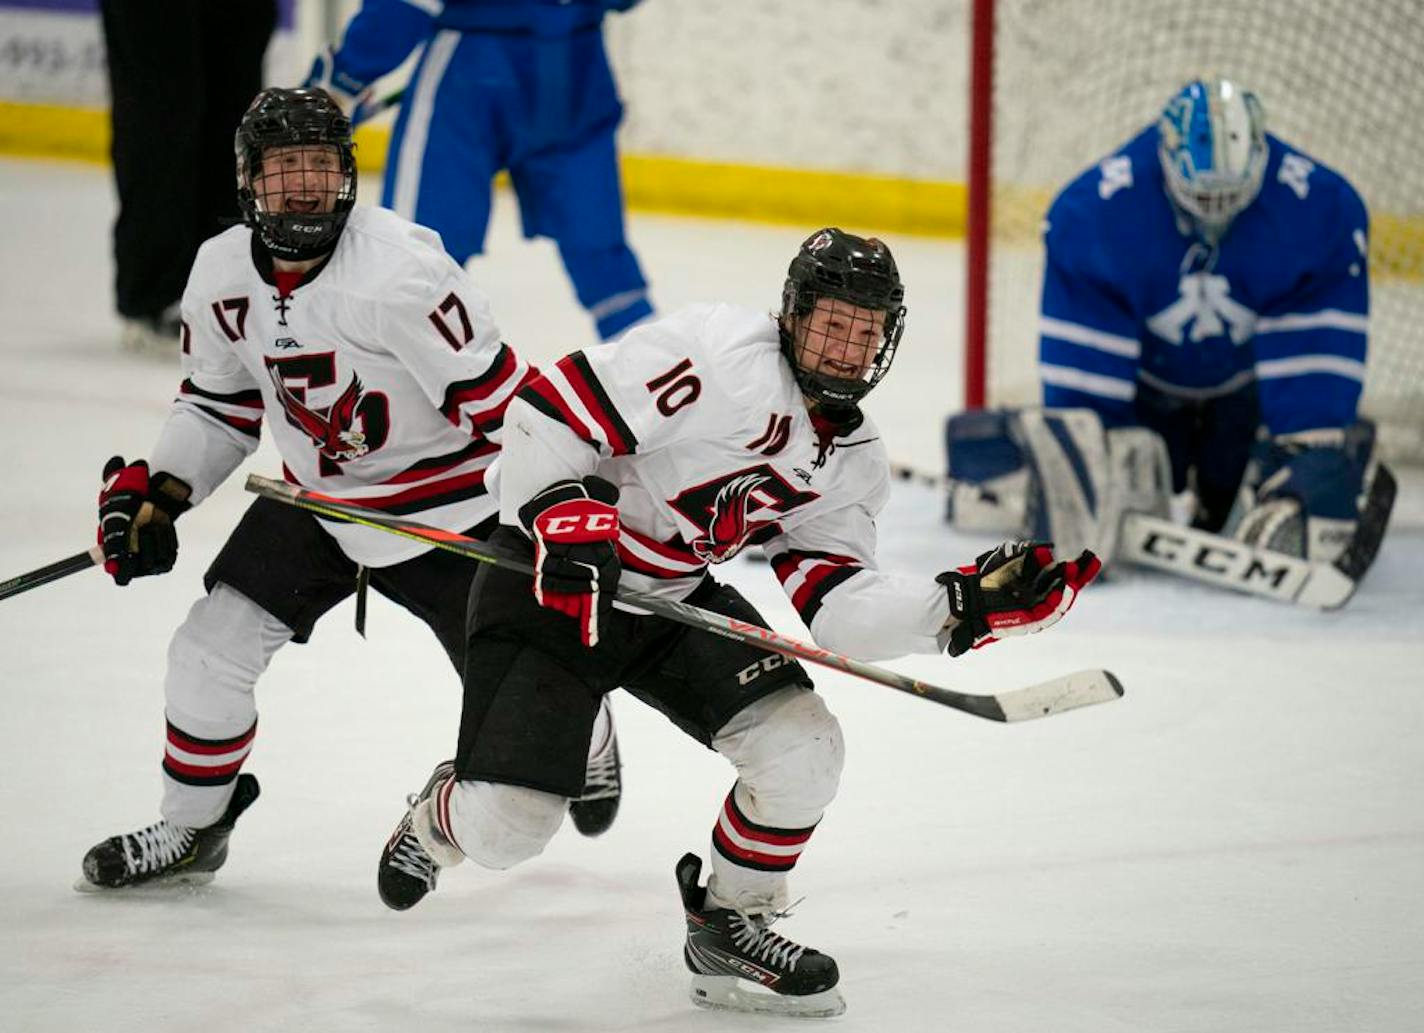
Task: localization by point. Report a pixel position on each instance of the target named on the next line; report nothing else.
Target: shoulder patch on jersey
(1115, 173)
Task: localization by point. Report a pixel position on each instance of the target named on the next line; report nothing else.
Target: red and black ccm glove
(576, 568)
(1015, 589)
(136, 514)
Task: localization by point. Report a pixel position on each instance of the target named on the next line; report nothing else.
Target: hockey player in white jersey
(382, 379)
(1205, 301)
(703, 433)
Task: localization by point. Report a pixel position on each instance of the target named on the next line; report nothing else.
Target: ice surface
(1237, 845)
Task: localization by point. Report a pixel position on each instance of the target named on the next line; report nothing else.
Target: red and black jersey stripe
(541, 395)
(462, 392)
(250, 399)
(610, 427)
(666, 560)
(819, 573)
(419, 498)
(436, 465)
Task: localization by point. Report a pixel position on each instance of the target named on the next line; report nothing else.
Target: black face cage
(876, 288)
(294, 118)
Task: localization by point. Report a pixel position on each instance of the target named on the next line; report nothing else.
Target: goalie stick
(1214, 559)
(373, 107)
(1055, 696)
(91, 557)
(1217, 560)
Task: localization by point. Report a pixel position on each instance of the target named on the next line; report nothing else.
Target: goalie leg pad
(1139, 481)
(1067, 451)
(988, 477)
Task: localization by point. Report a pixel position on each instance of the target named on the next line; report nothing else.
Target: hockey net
(1057, 84)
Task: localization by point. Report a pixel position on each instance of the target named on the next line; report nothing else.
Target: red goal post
(1054, 85)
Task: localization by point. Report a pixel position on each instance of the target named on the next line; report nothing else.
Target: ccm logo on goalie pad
(1221, 561)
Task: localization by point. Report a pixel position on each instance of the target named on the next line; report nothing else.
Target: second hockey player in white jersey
(705, 432)
(382, 379)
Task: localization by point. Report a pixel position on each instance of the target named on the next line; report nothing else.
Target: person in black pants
(180, 76)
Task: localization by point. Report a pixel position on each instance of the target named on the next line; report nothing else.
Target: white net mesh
(1341, 79)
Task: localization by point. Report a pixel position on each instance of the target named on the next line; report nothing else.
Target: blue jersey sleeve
(1309, 345)
(381, 35)
(1088, 348)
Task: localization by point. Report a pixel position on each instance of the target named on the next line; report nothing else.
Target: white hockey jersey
(381, 375)
(698, 420)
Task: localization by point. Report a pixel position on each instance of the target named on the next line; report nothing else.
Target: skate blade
(728, 993)
(187, 880)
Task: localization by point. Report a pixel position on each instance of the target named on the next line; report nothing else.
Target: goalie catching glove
(1015, 589)
(1299, 495)
(136, 514)
(574, 525)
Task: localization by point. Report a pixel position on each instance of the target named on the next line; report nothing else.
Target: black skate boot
(407, 871)
(593, 812)
(738, 963)
(165, 853)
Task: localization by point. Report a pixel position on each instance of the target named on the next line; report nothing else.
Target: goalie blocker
(1301, 530)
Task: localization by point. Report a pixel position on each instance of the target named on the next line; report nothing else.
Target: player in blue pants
(523, 85)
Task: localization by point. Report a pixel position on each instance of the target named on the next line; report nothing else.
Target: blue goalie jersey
(1129, 298)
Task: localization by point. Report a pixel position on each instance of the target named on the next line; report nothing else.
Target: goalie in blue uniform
(522, 85)
(1203, 328)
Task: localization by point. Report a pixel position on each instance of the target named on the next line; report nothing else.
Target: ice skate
(407, 871)
(157, 336)
(593, 812)
(739, 964)
(164, 853)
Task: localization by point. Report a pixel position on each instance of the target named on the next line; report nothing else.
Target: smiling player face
(299, 180)
(839, 339)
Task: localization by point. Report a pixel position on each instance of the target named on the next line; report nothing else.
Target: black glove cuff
(965, 597)
(966, 605)
(169, 494)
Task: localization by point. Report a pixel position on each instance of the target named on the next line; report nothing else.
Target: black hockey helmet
(294, 118)
(860, 270)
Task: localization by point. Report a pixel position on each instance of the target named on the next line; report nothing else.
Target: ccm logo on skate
(770, 662)
(591, 522)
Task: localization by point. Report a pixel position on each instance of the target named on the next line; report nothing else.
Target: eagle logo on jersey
(731, 524)
(331, 431)
(1204, 302)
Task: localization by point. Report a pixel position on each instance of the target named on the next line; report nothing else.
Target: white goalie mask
(1212, 144)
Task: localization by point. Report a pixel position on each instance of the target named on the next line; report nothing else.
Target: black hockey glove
(575, 529)
(136, 514)
(1015, 589)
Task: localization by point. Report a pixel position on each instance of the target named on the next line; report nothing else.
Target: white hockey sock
(498, 826)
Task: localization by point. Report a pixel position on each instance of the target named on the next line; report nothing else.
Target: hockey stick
(91, 557)
(369, 109)
(1068, 692)
(902, 472)
(1214, 559)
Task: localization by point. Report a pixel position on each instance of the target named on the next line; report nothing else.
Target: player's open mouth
(304, 205)
(842, 369)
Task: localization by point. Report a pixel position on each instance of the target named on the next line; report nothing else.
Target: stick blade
(1067, 692)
